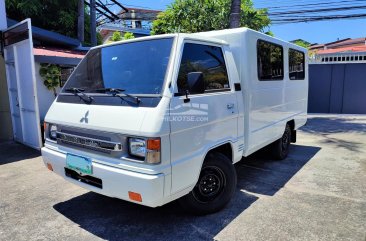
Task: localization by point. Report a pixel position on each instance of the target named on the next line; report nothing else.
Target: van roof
(191, 36)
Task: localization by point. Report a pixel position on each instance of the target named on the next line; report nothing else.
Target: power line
(316, 10)
(318, 18)
(343, 2)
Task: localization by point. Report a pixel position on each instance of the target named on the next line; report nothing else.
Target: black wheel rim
(210, 185)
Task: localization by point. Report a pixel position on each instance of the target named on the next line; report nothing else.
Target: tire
(281, 147)
(215, 187)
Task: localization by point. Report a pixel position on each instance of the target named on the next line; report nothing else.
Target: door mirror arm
(187, 99)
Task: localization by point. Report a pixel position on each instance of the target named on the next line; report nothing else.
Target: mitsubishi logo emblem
(85, 118)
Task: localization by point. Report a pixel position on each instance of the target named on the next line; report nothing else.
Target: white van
(158, 118)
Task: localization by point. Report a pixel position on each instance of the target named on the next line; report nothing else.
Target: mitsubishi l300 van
(160, 118)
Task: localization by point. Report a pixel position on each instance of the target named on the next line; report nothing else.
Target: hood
(139, 121)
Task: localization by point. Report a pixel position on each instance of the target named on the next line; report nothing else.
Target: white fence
(341, 58)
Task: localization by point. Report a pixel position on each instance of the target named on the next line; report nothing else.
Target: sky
(313, 32)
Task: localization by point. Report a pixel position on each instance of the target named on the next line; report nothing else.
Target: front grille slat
(89, 143)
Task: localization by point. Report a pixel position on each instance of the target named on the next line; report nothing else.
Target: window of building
(209, 60)
(296, 61)
(269, 61)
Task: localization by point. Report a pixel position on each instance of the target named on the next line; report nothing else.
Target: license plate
(79, 164)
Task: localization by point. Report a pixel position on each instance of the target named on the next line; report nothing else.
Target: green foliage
(128, 35)
(270, 33)
(301, 43)
(56, 15)
(204, 15)
(99, 39)
(117, 36)
(51, 75)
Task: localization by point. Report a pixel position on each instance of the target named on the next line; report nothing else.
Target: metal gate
(337, 88)
(19, 60)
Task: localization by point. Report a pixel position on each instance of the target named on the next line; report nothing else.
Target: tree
(301, 43)
(51, 75)
(116, 36)
(57, 15)
(204, 15)
(128, 35)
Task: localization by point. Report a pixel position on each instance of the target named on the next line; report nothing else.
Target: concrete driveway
(317, 193)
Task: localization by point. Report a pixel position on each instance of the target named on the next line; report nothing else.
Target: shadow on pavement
(13, 152)
(259, 174)
(114, 219)
(333, 124)
(328, 127)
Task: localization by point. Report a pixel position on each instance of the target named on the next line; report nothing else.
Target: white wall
(45, 96)
(3, 24)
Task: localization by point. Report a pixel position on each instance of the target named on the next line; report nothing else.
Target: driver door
(205, 117)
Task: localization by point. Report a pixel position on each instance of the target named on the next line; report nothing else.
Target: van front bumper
(116, 182)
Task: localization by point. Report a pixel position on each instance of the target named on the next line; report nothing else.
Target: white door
(20, 71)
(210, 115)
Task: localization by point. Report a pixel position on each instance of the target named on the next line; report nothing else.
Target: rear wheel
(281, 147)
(215, 187)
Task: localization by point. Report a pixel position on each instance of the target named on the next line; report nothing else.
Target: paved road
(317, 193)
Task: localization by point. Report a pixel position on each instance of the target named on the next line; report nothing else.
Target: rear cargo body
(268, 105)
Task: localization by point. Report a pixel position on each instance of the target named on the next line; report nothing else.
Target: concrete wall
(45, 96)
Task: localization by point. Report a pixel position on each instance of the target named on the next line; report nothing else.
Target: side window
(206, 61)
(296, 61)
(269, 61)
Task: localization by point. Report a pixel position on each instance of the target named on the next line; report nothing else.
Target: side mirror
(195, 82)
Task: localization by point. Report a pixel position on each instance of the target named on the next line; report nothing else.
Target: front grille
(88, 142)
(93, 181)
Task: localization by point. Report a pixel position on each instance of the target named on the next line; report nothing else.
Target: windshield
(135, 67)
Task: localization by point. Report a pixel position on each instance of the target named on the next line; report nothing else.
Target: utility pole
(235, 14)
(81, 20)
(93, 24)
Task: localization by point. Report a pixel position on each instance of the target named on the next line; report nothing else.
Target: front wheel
(215, 187)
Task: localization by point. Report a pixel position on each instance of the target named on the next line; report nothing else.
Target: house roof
(347, 42)
(354, 49)
(43, 51)
(343, 45)
(57, 56)
(141, 10)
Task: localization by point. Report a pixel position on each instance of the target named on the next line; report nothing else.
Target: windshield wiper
(80, 92)
(118, 92)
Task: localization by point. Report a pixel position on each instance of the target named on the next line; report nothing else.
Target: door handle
(230, 106)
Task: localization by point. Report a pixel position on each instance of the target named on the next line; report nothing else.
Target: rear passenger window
(207, 59)
(296, 60)
(269, 61)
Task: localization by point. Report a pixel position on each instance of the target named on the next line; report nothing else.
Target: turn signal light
(49, 166)
(134, 196)
(153, 144)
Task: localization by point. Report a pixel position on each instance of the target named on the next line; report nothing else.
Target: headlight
(137, 147)
(148, 149)
(52, 132)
